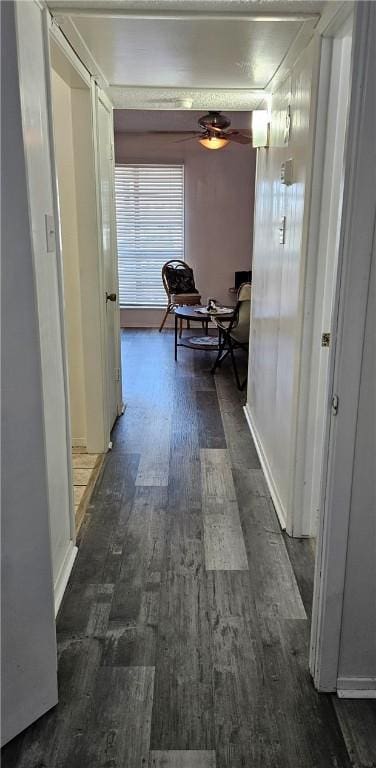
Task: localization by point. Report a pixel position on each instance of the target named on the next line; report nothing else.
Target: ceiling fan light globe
(213, 142)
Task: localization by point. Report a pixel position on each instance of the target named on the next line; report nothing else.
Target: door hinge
(117, 374)
(325, 340)
(335, 404)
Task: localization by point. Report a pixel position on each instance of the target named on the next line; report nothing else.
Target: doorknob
(110, 297)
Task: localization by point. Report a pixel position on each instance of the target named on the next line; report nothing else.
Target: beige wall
(279, 281)
(219, 200)
(63, 128)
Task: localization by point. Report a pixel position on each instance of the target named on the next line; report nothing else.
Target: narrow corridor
(183, 635)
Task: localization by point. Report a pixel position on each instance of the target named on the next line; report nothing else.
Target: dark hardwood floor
(183, 634)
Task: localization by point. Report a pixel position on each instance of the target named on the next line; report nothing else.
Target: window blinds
(150, 229)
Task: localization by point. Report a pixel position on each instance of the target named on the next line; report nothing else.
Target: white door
(345, 369)
(109, 255)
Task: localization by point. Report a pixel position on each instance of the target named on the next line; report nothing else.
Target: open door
(347, 515)
(105, 140)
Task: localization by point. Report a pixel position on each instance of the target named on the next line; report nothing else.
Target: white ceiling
(187, 54)
(135, 121)
(213, 54)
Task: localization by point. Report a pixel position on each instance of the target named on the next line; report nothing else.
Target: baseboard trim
(281, 514)
(65, 571)
(356, 688)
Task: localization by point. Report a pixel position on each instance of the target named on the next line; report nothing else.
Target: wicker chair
(235, 335)
(176, 275)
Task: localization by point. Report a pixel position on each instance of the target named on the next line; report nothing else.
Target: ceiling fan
(214, 133)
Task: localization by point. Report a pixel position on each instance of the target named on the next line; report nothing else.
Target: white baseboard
(65, 570)
(356, 687)
(281, 513)
(79, 442)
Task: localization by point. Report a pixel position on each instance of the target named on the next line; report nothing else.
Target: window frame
(177, 163)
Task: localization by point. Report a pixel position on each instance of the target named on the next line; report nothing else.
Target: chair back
(240, 326)
(177, 277)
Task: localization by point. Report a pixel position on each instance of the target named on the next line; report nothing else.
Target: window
(150, 229)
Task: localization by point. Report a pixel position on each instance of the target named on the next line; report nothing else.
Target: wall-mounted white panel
(278, 282)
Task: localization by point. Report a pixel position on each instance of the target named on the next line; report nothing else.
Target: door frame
(326, 208)
(93, 319)
(59, 261)
(349, 318)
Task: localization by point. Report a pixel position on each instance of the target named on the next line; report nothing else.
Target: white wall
(219, 202)
(64, 151)
(47, 270)
(28, 680)
(279, 282)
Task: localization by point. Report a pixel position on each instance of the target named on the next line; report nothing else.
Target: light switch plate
(50, 233)
(286, 172)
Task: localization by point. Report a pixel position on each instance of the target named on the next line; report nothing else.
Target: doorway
(88, 276)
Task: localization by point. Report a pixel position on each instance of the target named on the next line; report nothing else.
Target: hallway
(185, 625)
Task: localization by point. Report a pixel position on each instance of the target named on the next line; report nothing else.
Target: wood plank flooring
(183, 634)
(86, 468)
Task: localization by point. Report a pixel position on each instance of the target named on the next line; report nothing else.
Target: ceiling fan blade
(162, 133)
(243, 131)
(239, 138)
(188, 138)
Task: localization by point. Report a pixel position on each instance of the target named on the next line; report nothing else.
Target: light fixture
(213, 142)
(260, 128)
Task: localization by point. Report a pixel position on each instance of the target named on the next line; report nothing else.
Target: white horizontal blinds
(150, 229)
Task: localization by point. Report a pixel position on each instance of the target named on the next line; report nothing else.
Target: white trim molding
(356, 688)
(63, 576)
(273, 489)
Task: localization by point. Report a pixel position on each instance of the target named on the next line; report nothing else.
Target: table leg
(176, 337)
(207, 327)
